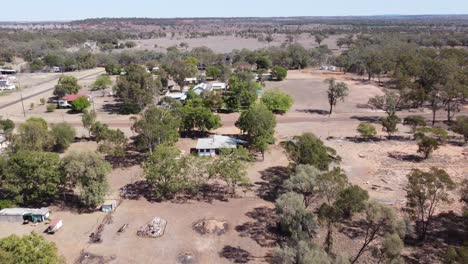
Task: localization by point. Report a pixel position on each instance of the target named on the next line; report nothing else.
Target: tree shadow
(447, 229)
(130, 159)
(353, 229)
(401, 156)
(235, 254)
(313, 111)
(370, 119)
(271, 187)
(205, 192)
(264, 230)
(71, 202)
(195, 134)
(90, 258)
(112, 108)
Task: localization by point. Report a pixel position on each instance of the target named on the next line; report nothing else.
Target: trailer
(54, 226)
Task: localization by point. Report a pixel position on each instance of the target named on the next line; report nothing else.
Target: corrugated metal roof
(218, 142)
(23, 211)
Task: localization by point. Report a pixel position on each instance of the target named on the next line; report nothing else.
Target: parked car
(63, 104)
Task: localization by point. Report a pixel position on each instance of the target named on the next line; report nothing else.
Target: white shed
(109, 206)
(209, 146)
(218, 86)
(17, 214)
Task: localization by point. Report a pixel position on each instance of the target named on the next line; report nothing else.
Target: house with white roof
(200, 88)
(209, 146)
(219, 86)
(191, 80)
(178, 96)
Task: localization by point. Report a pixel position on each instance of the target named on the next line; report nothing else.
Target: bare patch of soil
(211, 227)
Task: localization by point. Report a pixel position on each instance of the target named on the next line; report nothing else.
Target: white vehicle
(63, 104)
(6, 85)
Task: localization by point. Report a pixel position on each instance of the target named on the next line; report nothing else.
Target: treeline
(33, 45)
(432, 77)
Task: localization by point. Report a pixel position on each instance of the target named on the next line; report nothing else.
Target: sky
(60, 10)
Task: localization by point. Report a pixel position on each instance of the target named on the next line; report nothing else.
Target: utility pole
(21, 95)
(22, 103)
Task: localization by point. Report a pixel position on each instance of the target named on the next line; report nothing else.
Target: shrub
(80, 104)
(279, 73)
(43, 101)
(277, 101)
(51, 108)
(390, 123)
(414, 121)
(63, 135)
(461, 127)
(367, 130)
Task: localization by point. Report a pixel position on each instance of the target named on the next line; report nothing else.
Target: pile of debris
(211, 227)
(153, 229)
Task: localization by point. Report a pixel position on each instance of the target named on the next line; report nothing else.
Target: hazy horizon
(62, 11)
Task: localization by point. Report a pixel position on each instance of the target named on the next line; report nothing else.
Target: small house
(219, 86)
(24, 214)
(72, 97)
(200, 88)
(191, 80)
(210, 146)
(246, 67)
(180, 97)
(54, 226)
(109, 206)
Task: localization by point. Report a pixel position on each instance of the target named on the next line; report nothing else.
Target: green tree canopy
(214, 72)
(29, 249)
(63, 135)
(295, 220)
(80, 103)
(424, 192)
(231, 167)
(259, 123)
(156, 126)
(163, 171)
(242, 91)
(33, 135)
(199, 117)
(305, 181)
(67, 85)
(367, 130)
(461, 127)
(308, 149)
(277, 101)
(89, 171)
(279, 73)
(136, 89)
(180, 70)
(336, 91)
(102, 82)
(32, 177)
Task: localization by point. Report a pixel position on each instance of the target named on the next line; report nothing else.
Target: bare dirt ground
(229, 43)
(379, 167)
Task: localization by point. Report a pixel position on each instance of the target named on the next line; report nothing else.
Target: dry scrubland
(379, 167)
